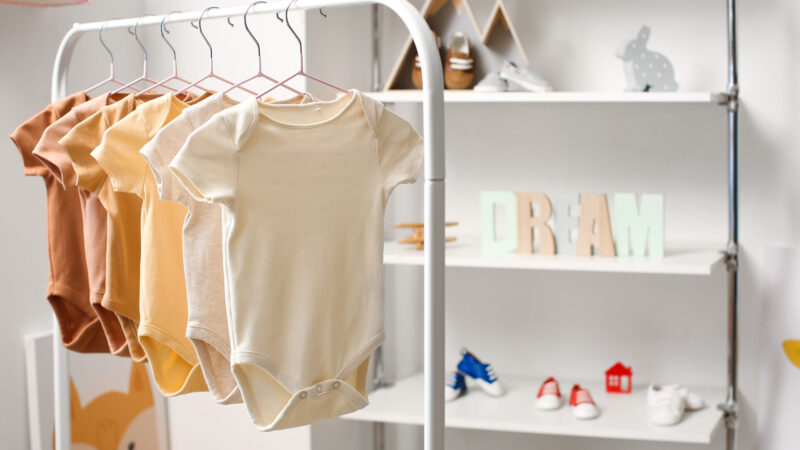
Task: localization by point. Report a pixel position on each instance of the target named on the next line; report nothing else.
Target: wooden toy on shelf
(418, 236)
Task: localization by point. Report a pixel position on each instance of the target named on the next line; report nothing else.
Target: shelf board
(470, 96)
(467, 252)
(623, 416)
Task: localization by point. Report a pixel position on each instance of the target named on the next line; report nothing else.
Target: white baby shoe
(523, 78)
(666, 404)
(492, 83)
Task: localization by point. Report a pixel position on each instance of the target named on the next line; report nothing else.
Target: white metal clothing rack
(433, 121)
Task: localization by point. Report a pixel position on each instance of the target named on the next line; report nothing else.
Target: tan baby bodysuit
(162, 285)
(305, 187)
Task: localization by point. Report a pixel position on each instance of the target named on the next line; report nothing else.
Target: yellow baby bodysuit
(162, 286)
(304, 187)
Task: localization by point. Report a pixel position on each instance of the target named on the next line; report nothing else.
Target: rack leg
(730, 407)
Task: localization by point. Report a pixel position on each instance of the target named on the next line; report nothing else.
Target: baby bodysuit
(162, 285)
(68, 286)
(123, 211)
(305, 187)
(207, 325)
(58, 162)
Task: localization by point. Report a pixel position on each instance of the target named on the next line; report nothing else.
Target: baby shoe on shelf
(492, 83)
(454, 386)
(482, 373)
(582, 404)
(523, 78)
(549, 396)
(459, 68)
(666, 404)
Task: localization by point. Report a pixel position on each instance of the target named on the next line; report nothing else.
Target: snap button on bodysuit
(336, 384)
(319, 388)
(303, 395)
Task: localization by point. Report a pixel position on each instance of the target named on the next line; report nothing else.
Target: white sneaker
(666, 404)
(549, 396)
(454, 387)
(492, 83)
(693, 401)
(523, 78)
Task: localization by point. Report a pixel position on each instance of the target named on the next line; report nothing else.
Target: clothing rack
(433, 128)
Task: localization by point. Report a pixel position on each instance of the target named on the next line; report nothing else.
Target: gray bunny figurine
(646, 70)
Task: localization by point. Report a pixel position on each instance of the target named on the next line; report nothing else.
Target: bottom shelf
(623, 416)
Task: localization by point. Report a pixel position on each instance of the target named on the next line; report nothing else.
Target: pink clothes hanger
(300, 72)
(144, 76)
(112, 77)
(174, 75)
(260, 73)
(211, 74)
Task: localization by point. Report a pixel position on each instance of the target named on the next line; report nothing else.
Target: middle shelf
(623, 416)
(467, 252)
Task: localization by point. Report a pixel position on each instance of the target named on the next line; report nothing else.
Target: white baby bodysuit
(305, 187)
(207, 326)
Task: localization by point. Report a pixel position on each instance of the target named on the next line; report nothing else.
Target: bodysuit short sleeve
(118, 154)
(159, 152)
(27, 135)
(207, 163)
(400, 150)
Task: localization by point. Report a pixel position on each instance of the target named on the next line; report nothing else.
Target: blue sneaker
(454, 386)
(482, 373)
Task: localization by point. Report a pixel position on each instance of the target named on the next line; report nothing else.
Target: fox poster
(113, 402)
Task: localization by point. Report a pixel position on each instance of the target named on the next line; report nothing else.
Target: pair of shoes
(580, 400)
(481, 373)
(512, 77)
(667, 403)
(459, 68)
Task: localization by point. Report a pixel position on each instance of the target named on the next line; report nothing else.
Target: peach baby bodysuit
(207, 325)
(305, 187)
(68, 286)
(123, 210)
(162, 286)
(58, 162)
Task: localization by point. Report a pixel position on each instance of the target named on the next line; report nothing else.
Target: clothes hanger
(112, 77)
(302, 71)
(211, 74)
(260, 73)
(174, 75)
(144, 76)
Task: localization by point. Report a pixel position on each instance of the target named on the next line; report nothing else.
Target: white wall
(30, 37)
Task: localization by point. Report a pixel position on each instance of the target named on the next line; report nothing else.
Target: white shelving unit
(467, 252)
(624, 416)
(470, 96)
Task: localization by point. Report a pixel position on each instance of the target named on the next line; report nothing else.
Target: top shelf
(470, 96)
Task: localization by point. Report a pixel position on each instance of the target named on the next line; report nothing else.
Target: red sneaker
(549, 396)
(581, 403)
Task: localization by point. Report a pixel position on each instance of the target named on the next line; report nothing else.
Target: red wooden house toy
(618, 379)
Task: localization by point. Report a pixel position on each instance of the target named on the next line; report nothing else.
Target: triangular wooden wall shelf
(489, 47)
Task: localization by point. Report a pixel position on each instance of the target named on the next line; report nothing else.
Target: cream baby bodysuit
(162, 286)
(305, 187)
(207, 325)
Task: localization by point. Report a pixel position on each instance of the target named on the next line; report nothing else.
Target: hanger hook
(103, 42)
(247, 27)
(299, 42)
(135, 34)
(165, 30)
(199, 26)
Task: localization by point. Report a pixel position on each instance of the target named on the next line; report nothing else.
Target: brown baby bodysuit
(58, 162)
(68, 287)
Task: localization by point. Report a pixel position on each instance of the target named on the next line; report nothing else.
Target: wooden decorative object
(418, 236)
(594, 226)
(527, 223)
(489, 47)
